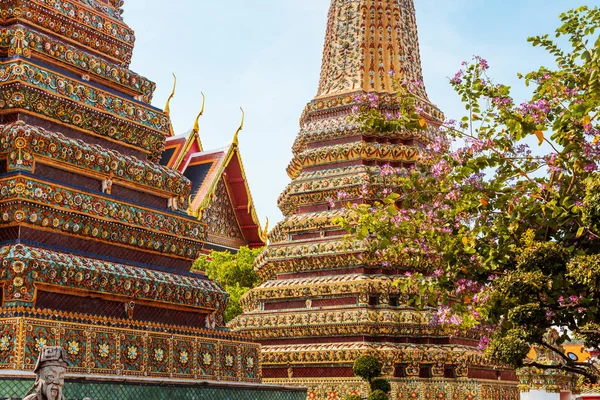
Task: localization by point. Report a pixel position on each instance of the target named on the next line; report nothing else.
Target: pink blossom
(458, 77)
(484, 343)
(386, 170)
(483, 64)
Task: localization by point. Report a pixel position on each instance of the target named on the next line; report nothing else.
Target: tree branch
(586, 372)
(557, 351)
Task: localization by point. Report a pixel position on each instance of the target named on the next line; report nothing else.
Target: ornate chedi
(325, 300)
(95, 240)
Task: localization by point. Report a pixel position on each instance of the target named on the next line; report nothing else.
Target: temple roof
(206, 169)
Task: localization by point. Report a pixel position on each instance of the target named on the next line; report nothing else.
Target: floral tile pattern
(97, 350)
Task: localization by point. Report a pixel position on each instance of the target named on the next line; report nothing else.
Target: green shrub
(381, 384)
(352, 397)
(378, 395)
(511, 349)
(367, 367)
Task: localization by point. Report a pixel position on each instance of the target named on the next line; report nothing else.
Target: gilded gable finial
(191, 137)
(168, 105)
(235, 137)
(196, 128)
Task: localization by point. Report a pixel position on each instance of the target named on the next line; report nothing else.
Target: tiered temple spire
(96, 244)
(325, 301)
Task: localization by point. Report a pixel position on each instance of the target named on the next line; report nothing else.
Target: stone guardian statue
(50, 375)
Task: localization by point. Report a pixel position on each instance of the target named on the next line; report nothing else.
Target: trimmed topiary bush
(367, 367)
(378, 395)
(381, 384)
(352, 397)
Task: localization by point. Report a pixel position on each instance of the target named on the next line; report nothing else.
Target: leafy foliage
(381, 384)
(367, 367)
(508, 236)
(352, 397)
(378, 395)
(234, 272)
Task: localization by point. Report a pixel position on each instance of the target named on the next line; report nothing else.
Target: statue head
(50, 374)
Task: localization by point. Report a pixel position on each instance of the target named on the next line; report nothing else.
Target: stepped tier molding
(74, 22)
(379, 324)
(314, 252)
(318, 187)
(25, 145)
(35, 90)
(119, 349)
(397, 359)
(342, 127)
(332, 106)
(305, 223)
(47, 206)
(111, 8)
(22, 40)
(415, 371)
(360, 285)
(357, 151)
(25, 189)
(313, 256)
(27, 268)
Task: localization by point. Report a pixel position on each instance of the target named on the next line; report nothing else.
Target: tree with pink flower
(502, 233)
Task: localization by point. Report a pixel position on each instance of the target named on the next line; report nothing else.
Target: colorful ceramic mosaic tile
(25, 267)
(74, 21)
(21, 40)
(23, 143)
(28, 188)
(107, 351)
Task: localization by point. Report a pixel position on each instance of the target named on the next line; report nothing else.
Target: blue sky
(265, 55)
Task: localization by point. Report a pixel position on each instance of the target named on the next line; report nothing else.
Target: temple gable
(220, 218)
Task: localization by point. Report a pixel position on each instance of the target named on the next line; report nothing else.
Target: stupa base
(407, 388)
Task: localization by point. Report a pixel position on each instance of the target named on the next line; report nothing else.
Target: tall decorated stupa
(325, 301)
(97, 234)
